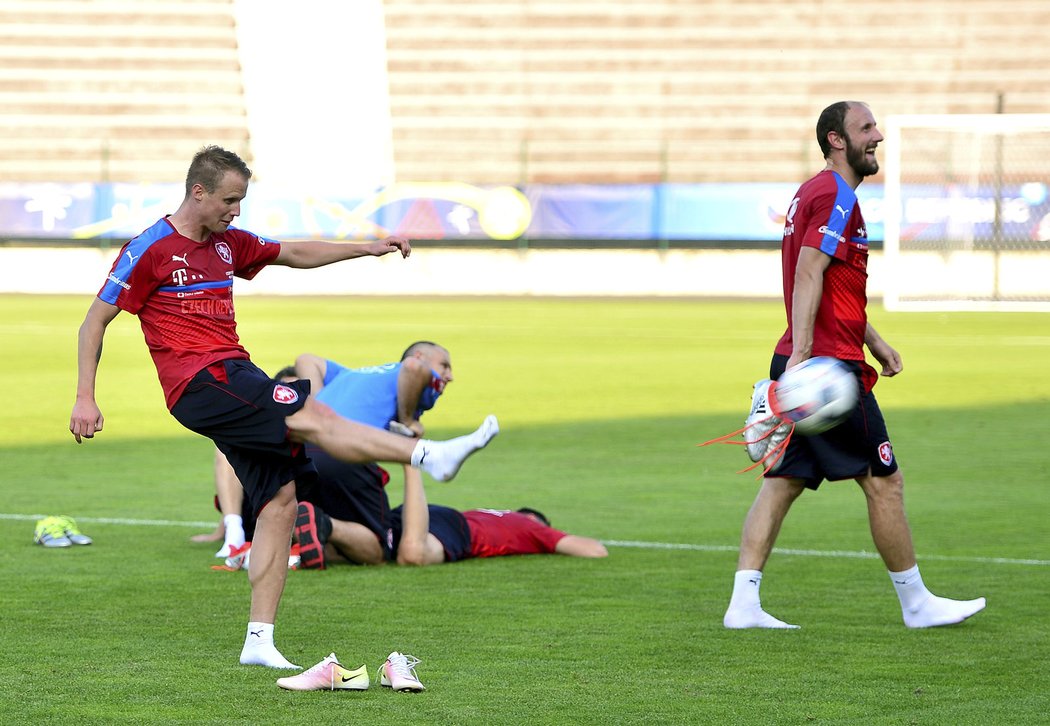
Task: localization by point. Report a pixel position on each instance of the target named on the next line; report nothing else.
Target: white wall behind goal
(315, 86)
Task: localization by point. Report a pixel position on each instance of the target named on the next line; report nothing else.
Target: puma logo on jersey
(131, 257)
(176, 258)
(842, 211)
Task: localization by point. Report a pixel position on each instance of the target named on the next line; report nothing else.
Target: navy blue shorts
(448, 525)
(851, 449)
(239, 407)
(353, 493)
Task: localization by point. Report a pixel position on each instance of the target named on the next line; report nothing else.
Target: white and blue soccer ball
(817, 394)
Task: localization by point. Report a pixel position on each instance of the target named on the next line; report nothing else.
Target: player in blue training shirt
(377, 395)
(390, 396)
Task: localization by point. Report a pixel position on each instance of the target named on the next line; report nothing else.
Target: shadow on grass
(623, 479)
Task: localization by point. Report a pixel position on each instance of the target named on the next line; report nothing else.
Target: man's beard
(857, 160)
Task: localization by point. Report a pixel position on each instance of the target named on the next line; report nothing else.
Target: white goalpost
(967, 212)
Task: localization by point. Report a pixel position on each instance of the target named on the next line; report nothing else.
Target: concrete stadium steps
(116, 90)
(520, 91)
(688, 90)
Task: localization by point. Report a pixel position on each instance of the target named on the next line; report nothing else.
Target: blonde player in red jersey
(177, 277)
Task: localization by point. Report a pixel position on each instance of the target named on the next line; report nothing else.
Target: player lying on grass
(351, 497)
(419, 533)
(177, 277)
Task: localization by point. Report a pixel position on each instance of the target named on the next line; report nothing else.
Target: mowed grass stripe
(609, 542)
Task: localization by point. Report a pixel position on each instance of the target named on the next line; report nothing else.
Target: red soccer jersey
(496, 532)
(825, 214)
(182, 291)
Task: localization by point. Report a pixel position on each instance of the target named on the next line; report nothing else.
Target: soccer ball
(816, 395)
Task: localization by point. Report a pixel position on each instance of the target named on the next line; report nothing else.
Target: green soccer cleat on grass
(328, 675)
(73, 533)
(51, 533)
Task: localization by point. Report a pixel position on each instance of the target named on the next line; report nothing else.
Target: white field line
(841, 554)
(862, 555)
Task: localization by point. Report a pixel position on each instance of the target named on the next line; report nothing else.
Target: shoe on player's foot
(73, 532)
(240, 557)
(937, 611)
(399, 673)
(51, 533)
(312, 530)
(753, 617)
(328, 675)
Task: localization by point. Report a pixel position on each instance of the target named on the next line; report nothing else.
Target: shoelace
(775, 452)
(321, 666)
(402, 666)
(772, 456)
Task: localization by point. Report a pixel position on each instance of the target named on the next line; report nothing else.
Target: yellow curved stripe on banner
(503, 212)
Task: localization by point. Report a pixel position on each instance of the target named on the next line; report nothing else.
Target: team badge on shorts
(284, 394)
(224, 252)
(886, 453)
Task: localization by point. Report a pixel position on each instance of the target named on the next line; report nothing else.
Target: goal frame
(893, 206)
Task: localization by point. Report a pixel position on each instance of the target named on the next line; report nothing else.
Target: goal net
(967, 212)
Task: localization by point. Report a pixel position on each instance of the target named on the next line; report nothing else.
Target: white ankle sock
(911, 590)
(234, 536)
(259, 648)
(745, 606)
(746, 584)
(922, 609)
(234, 529)
(442, 459)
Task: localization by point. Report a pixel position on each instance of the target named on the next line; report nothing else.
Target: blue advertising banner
(454, 211)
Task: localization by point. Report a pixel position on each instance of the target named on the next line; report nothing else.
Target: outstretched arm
(576, 546)
(315, 253)
(417, 545)
(86, 418)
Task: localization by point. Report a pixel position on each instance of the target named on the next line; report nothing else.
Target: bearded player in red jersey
(825, 257)
(177, 276)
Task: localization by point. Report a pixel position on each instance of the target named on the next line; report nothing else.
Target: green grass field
(602, 404)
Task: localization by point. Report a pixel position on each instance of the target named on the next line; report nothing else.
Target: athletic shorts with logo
(847, 451)
(239, 407)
